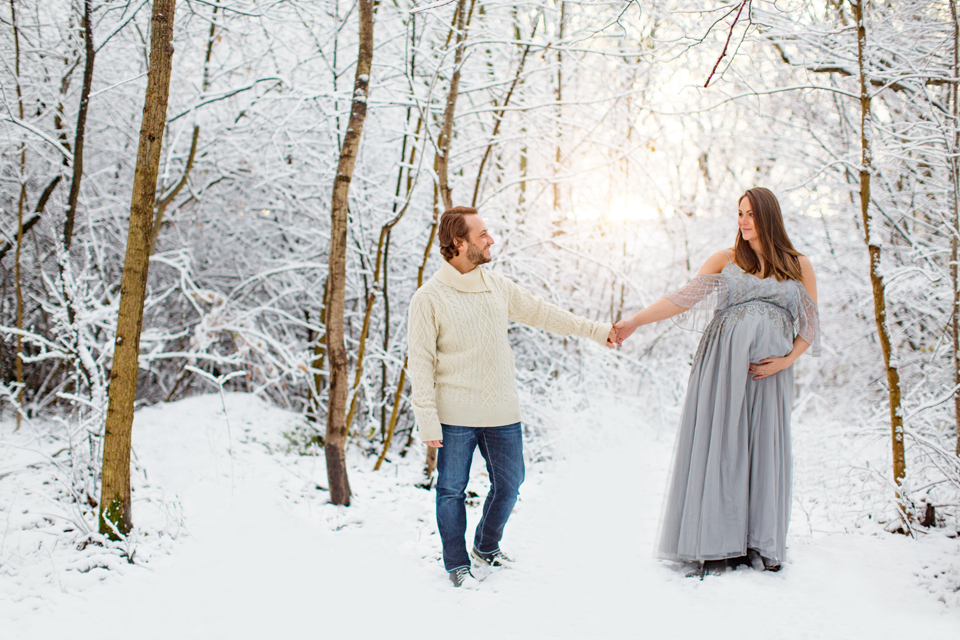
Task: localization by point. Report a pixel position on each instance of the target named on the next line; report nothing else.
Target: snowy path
(266, 558)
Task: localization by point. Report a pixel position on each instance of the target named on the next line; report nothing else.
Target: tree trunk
(523, 171)
(442, 163)
(559, 98)
(380, 267)
(431, 451)
(90, 54)
(371, 299)
(115, 516)
(386, 257)
(431, 461)
(955, 240)
(523, 130)
(20, 205)
(386, 339)
(18, 276)
(319, 355)
(386, 248)
(336, 350)
(394, 413)
(872, 239)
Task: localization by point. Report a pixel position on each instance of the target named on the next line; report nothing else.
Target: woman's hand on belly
(768, 366)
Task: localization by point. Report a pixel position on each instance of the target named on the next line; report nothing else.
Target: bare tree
(431, 451)
(558, 156)
(442, 162)
(873, 246)
(336, 350)
(18, 276)
(568, 91)
(116, 519)
(89, 57)
(955, 236)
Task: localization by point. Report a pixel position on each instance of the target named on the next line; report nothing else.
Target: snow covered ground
(236, 540)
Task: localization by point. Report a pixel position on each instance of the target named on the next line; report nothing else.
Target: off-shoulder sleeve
(806, 321)
(702, 297)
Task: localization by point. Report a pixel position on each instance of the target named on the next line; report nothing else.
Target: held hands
(623, 330)
(613, 340)
(433, 443)
(767, 367)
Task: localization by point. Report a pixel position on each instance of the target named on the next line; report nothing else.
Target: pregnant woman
(728, 499)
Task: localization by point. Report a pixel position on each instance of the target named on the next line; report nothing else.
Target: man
(464, 394)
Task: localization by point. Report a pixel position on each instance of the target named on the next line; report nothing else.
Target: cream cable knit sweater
(460, 363)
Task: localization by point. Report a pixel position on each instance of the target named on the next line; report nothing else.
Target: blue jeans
(502, 448)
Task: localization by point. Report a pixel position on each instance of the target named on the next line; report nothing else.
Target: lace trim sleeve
(807, 320)
(702, 297)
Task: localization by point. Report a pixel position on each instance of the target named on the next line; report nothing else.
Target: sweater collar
(470, 282)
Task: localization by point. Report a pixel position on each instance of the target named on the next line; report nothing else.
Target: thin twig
(723, 53)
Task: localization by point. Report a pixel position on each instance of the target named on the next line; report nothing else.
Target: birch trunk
(873, 246)
(336, 350)
(115, 515)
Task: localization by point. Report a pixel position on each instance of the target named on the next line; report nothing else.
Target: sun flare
(622, 209)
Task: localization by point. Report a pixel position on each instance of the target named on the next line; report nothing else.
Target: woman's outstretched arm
(659, 310)
(663, 308)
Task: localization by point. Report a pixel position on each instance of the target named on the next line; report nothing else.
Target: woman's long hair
(780, 259)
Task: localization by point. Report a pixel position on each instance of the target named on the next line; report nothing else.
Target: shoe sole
(476, 556)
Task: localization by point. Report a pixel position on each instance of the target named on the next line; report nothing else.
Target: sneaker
(494, 558)
(461, 577)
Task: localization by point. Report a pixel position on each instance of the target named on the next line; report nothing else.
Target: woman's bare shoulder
(716, 262)
(809, 280)
(806, 268)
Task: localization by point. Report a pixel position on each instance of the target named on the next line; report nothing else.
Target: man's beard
(475, 255)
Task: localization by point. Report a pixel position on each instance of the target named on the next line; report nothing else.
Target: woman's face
(745, 220)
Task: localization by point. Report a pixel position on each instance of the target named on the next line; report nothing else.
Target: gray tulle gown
(732, 469)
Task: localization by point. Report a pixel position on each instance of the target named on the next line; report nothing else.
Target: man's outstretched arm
(536, 312)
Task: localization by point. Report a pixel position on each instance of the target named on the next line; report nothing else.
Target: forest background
(605, 143)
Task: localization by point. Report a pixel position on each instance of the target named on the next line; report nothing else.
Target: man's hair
(453, 229)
